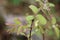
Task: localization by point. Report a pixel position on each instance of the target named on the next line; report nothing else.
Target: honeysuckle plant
(38, 23)
(47, 23)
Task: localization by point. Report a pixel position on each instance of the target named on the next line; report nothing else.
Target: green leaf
(18, 30)
(37, 32)
(50, 32)
(41, 19)
(17, 21)
(53, 20)
(41, 30)
(36, 23)
(51, 5)
(33, 8)
(29, 17)
(56, 30)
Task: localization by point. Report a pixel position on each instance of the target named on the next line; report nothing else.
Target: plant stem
(31, 29)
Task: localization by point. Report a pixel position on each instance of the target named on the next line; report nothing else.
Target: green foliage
(16, 2)
(50, 32)
(17, 21)
(56, 30)
(41, 19)
(51, 5)
(41, 29)
(53, 20)
(29, 17)
(37, 32)
(33, 8)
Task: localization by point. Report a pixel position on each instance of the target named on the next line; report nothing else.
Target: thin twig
(31, 29)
